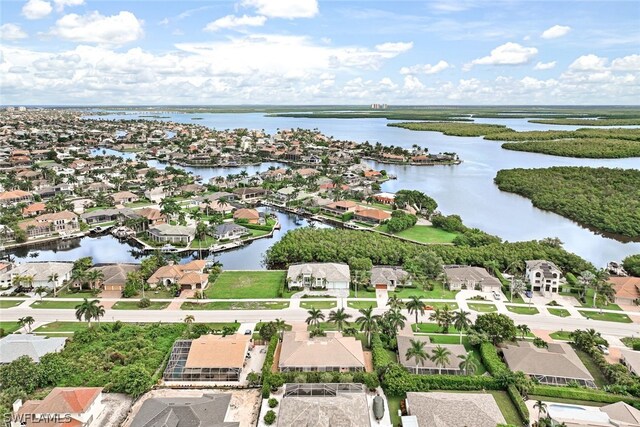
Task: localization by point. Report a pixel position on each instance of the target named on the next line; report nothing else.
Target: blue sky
(319, 52)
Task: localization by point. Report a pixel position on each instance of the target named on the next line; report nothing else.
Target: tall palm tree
(339, 317)
(416, 305)
(397, 319)
(26, 322)
(53, 279)
(524, 330)
(89, 310)
(443, 317)
(395, 303)
(41, 290)
(315, 316)
(461, 321)
(541, 407)
(94, 277)
(417, 352)
(467, 363)
(189, 319)
(368, 322)
(440, 357)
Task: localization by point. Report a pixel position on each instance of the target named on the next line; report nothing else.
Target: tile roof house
(122, 197)
(467, 277)
(189, 276)
(115, 275)
(376, 216)
(166, 233)
(627, 289)
(14, 346)
(252, 216)
(327, 275)
(64, 222)
(230, 231)
(209, 410)
(8, 198)
(335, 352)
(440, 409)
(631, 359)
(41, 272)
(556, 365)
(248, 194)
(73, 406)
(388, 277)
(429, 366)
(34, 209)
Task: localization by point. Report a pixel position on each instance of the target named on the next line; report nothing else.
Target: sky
(458, 52)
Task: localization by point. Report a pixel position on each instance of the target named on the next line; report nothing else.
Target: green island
(589, 122)
(607, 200)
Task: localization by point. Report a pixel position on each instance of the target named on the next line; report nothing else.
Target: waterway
(466, 189)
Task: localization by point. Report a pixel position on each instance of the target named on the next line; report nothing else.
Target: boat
(168, 248)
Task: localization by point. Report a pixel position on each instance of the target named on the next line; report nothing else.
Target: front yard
(133, 305)
(422, 234)
(607, 317)
(247, 284)
(320, 305)
(362, 304)
(10, 303)
(518, 309)
(236, 305)
(560, 312)
(70, 305)
(482, 307)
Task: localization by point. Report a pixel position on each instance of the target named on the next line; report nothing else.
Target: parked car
(603, 348)
(248, 332)
(496, 296)
(178, 292)
(528, 294)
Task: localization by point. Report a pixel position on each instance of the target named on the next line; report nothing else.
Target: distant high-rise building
(379, 106)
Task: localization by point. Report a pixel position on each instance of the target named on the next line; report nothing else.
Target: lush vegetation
(453, 128)
(632, 265)
(423, 234)
(587, 148)
(606, 199)
(246, 284)
(400, 221)
(333, 245)
(589, 122)
(235, 305)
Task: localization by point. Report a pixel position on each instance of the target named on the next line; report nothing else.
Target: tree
(416, 352)
(425, 265)
(189, 319)
(443, 317)
(395, 303)
(201, 233)
(541, 407)
(440, 356)
(53, 279)
(368, 322)
(339, 317)
(631, 264)
(600, 278)
(40, 290)
(416, 199)
(416, 305)
(524, 330)
(517, 287)
(315, 317)
(498, 327)
(94, 277)
(89, 310)
(461, 321)
(26, 322)
(133, 379)
(396, 319)
(468, 363)
(267, 330)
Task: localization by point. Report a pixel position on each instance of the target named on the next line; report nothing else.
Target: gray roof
(404, 343)
(35, 346)
(437, 409)
(631, 359)
(620, 411)
(559, 360)
(115, 274)
(228, 227)
(330, 271)
(384, 275)
(335, 350)
(40, 270)
(172, 230)
(206, 411)
(344, 410)
(468, 274)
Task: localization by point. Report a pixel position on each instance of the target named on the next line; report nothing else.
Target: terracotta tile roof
(192, 278)
(626, 287)
(216, 351)
(64, 400)
(33, 208)
(246, 214)
(15, 194)
(377, 214)
(150, 214)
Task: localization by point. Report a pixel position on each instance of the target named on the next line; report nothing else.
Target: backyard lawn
(394, 407)
(482, 307)
(236, 305)
(593, 369)
(560, 312)
(246, 284)
(9, 327)
(428, 328)
(362, 304)
(423, 234)
(508, 409)
(10, 303)
(320, 305)
(518, 309)
(607, 317)
(133, 305)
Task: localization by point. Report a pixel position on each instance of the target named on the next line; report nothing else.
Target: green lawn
(55, 328)
(10, 303)
(561, 335)
(394, 407)
(204, 243)
(133, 305)
(607, 317)
(429, 328)
(508, 409)
(438, 292)
(599, 304)
(518, 309)
(56, 304)
(9, 327)
(517, 299)
(70, 293)
(629, 341)
(362, 304)
(423, 234)
(258, 233)
(159, 293)
(224, 305)
(320, 305)
(593, 369)
(560, 312)
(246, 284)
(562, 400)
(482, 307)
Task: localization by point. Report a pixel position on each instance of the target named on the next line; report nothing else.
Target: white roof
(35, 346)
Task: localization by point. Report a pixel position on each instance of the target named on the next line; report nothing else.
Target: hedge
(571, 279)
(583, 394)
(266, 367)
(379, 354)
(518, 402)
(258, 227)
(491, 360)
(370, 379)
(500, 277)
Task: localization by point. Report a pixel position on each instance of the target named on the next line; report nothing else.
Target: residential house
(428, 366)
(544, 277)
(251, 216)
(333, 353)
(389, 277)
(208, 410)
(230, 231)
(330, 276)
(34, 209)
(64, 222)
(10, 198)
(341, 207)
(152, 215)
(617, 414)
(208, 358)
(371, 215)
(250, 194)
(115, 275)
(44, 274)
(122, 197)
(166, 233)
(104, 215)
(71, 406)
(556, 365)
(188, 276)
(155, 194)
(631, 359)
(14, 346)
(627, 290)
(442, 409)
(474, 278)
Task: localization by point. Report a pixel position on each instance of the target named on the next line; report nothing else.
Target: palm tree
(339, 317)
(26, 322)
(189, 319)
(396, 319)
(89, 310)
(461, 321)
(440, 357)
(94, 276)
(394, 303)
(315, 316)
(416, 305)
(467, 363)
(41, 290)
(541, 407)
(416, 352)
(280, 325)
(53, 279)
(524, 330)
(368, 322)
(443, 317)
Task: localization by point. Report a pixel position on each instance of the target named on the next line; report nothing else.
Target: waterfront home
(122, 197)
(251, 216)
(104, 215)
(328, 275)
(442, 409)
(389, 277)
(166, 233)
(460, 277)
(617, 414)
(34, 209)
(43, 274)
(307, 172)
(544, 277)
(71, 406)
(114, 276)
(627, 289)
(384, 198)
(15, 346)
(155, 194)
(152, 215)
(340, 207)
(10, 198)
(371, 215)
(230, 231)
(428, 366)
(250, 194)
(45, 225)
(189, 276)
(558, 364)
(216, 206)
(202, 411)
(208, 358)
(333, 353)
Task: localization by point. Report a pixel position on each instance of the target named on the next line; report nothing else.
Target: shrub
(269, 417)
(583, 394)
(267, 375)
(133, 380)
(491, 360)
(144, 303)
(273, 403)
(540, 343)
(518, 402)
(379, 354)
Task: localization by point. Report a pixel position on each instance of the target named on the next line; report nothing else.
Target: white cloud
(61, 4)
(412, 83)
(506, 54)
(555, 32)
(36, 9)
(232, 21)
(627, 63)
(545, 65)
(288, 9)
(96, 28)
(425, 68)
(394, 48)
(589, 62)
(10, 31)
